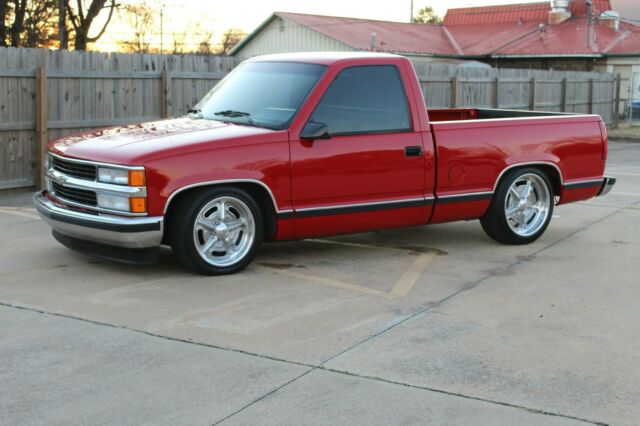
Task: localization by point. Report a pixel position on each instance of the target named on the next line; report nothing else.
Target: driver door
(370, 173)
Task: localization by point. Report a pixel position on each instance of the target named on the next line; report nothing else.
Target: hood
(135, 144)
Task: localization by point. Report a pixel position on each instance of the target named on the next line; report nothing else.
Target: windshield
(264, 94)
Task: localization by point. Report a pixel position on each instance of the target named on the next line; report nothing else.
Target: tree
(427, 15)
(178, 42)
(140, 17)
(63, 38)
(5, 13)
(230, 38)
(40, 26)
(204, 47)
(27, 23)
(15, 30)
(82, 21)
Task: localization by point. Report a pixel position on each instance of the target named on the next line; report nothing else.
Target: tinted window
(261, 93)
(364, 100)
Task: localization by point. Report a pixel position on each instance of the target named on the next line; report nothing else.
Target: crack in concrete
(322, 367)
(149, 333)
(474, 284)
(266, 395)
(429, 307)
(311, 368)
(461, 395)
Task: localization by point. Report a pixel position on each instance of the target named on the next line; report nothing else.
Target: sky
(203, 16)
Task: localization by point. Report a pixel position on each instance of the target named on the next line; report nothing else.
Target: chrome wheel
(224, 231)
(527, 204)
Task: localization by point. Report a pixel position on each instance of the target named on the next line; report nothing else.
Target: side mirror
(313, 130)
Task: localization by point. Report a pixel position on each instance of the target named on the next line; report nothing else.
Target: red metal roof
(483, 39)
(497, 14)
(390, 36)
(512, 30)
(579, 7)
(628, 41)
(571, 37)
(517, 12)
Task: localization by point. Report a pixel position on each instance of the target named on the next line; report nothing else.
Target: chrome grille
(79, 170)
(75, 183)
(80, 196)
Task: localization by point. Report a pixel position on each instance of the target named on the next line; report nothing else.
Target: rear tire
(216, 231)
(521, 207)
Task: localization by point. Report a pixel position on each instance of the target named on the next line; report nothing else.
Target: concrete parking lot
(430, 325)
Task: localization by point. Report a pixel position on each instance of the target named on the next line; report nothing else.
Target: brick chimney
(559, 11)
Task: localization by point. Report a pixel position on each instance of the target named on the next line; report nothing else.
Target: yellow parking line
(630, 194)
(401, 288)
(348, 244)
(327, 281)
(410, 277)
(18, 212)
(616, 173)
(17, 208)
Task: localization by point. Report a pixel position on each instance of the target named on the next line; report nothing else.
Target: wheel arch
(552, 171)
(258, 190)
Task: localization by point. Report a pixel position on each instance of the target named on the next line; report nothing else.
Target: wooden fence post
(564, 94)
(42, 117)
(454, 92)
(532, 94)
(166, 94)
(496, 92)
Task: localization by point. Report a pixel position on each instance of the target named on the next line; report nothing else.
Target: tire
(512, 217)
(212, 243)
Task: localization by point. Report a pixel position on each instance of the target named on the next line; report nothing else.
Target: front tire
(521, 207)
(217, 231)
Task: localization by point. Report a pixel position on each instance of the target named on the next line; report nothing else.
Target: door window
(367, 99)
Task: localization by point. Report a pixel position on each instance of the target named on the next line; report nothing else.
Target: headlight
(122, 203)
(117, 176)
(113, 202)
(121, 176)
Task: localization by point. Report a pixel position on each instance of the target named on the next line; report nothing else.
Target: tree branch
(72, 17)
(80, 12)
(104, 28)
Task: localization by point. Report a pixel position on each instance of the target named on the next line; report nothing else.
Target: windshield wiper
(232, 113)
(196, 111)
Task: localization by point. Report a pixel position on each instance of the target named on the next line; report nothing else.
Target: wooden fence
(48, 94)
(446, 85)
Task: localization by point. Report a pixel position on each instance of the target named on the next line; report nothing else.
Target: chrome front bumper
(607, 184)
(108, 230)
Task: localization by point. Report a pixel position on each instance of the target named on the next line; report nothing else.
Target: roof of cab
(324, 58)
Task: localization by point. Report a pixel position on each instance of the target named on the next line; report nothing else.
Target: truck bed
(459, 114)
(475, 145)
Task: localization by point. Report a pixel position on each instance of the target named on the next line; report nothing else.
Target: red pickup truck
(305, 145)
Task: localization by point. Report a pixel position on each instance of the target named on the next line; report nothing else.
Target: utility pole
(161, 28)
(411, 14)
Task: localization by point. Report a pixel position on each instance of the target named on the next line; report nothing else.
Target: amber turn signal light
(138, 204)
(136, 178)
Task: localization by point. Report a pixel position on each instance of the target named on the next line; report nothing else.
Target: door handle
(412, 151)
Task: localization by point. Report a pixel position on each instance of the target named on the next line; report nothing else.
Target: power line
(174, 32)
(125, 42)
